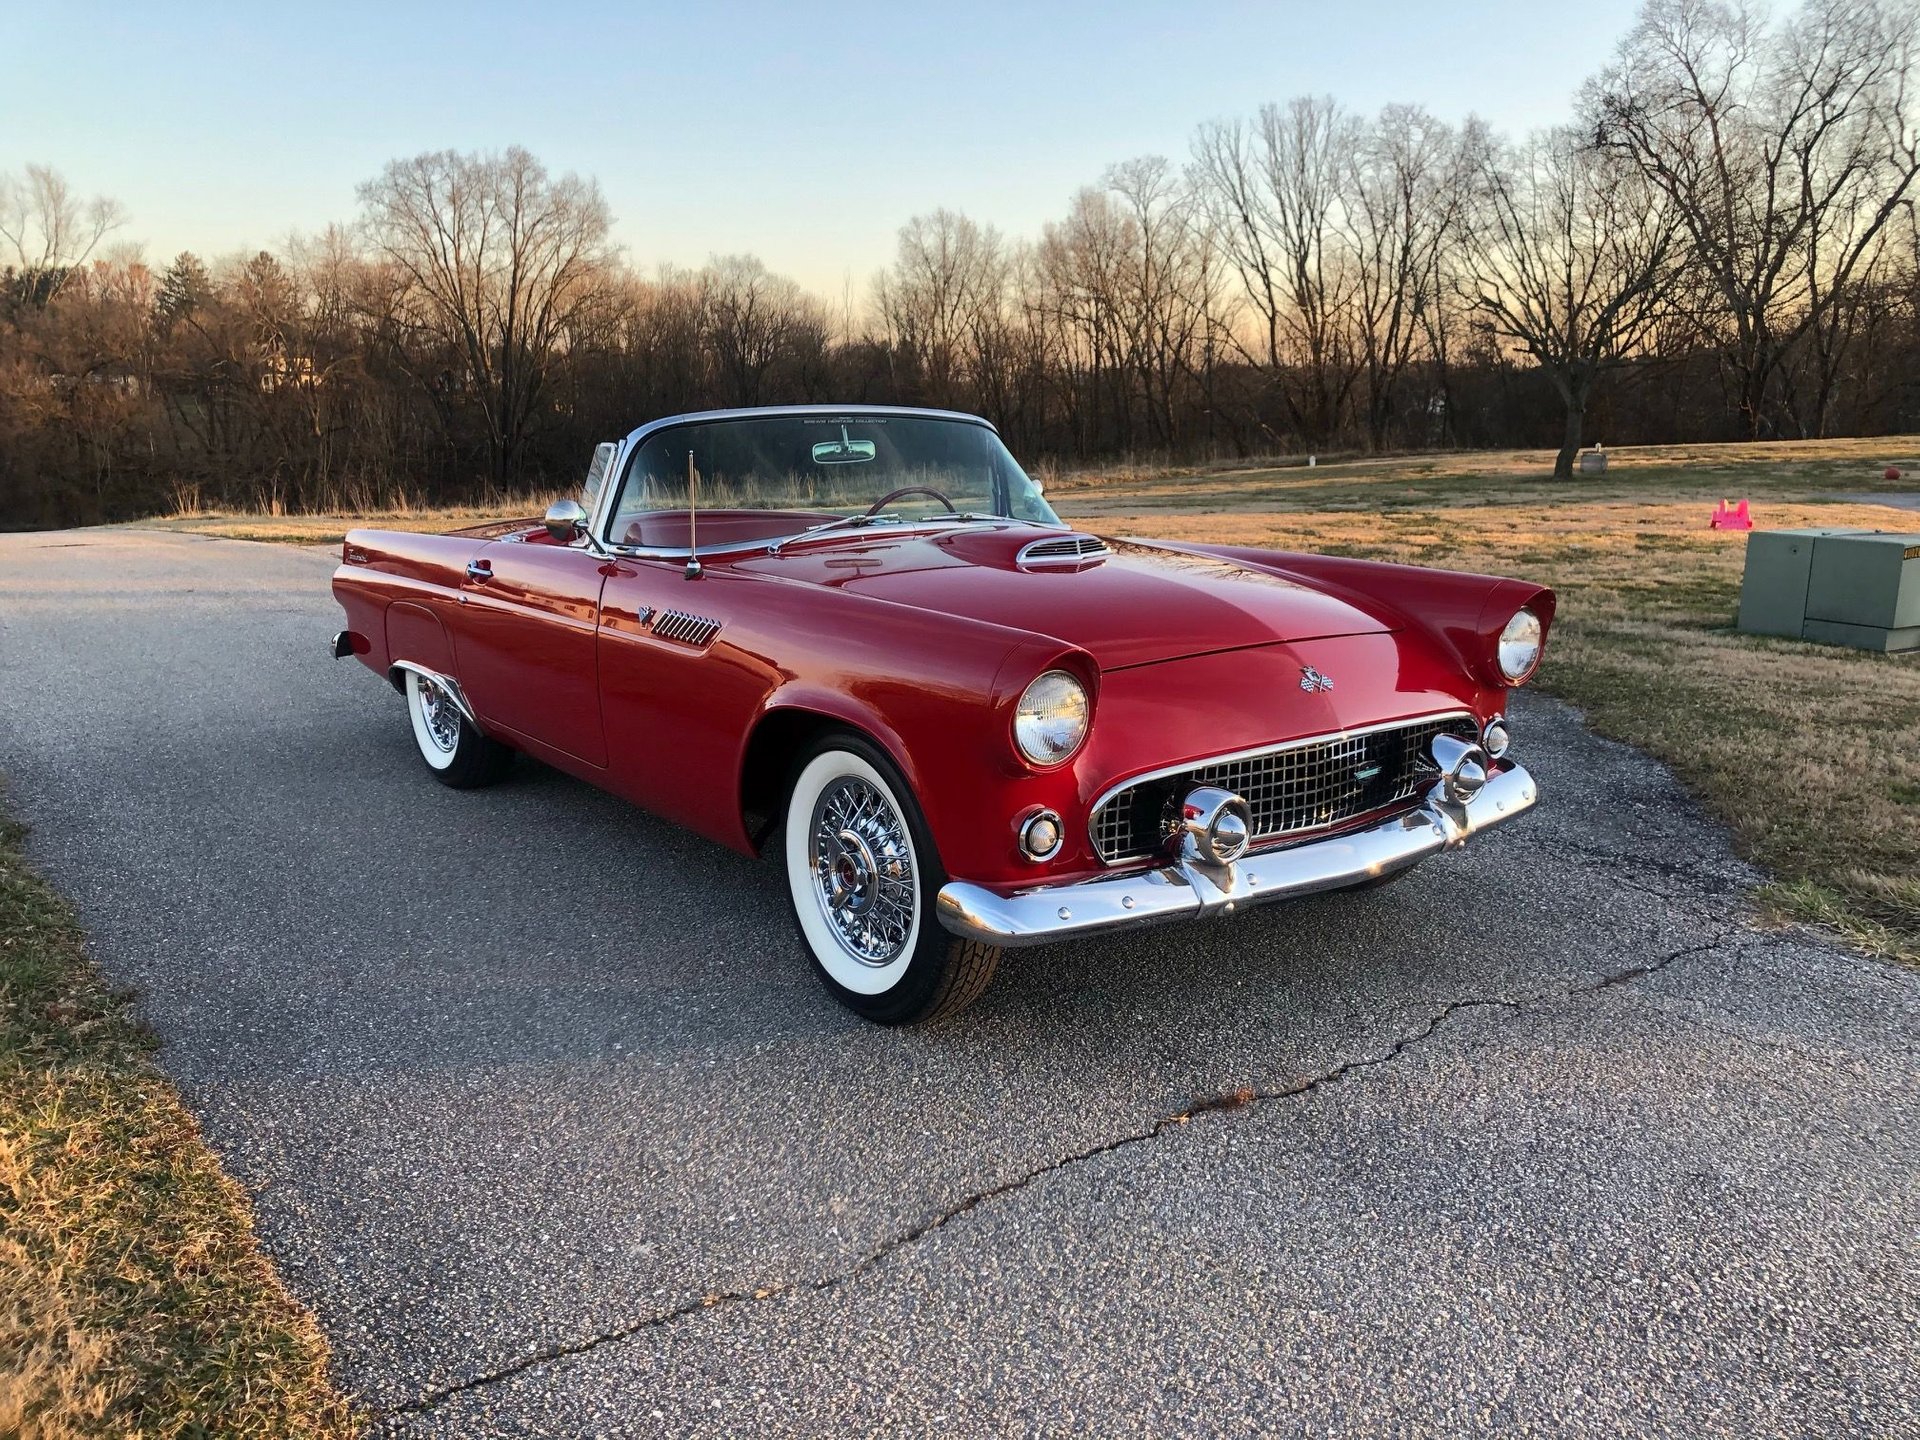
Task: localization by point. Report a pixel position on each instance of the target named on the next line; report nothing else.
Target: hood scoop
(1062, 552)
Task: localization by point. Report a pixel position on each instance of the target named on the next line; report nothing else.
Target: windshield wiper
(849, 522)
(841, 523)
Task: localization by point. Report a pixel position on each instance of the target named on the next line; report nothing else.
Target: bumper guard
(1184, 890)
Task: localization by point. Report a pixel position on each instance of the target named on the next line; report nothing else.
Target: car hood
(1134, 604)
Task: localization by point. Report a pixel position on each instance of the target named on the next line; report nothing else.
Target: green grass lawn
(134, 1299)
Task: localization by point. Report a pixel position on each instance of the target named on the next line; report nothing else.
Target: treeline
(1721, 242)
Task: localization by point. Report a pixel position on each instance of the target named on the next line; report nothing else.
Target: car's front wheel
(863, 872)
(453, 747)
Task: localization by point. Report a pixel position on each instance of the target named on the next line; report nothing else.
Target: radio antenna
(693, 533)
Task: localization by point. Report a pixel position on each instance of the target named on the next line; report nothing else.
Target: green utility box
(1841, 587)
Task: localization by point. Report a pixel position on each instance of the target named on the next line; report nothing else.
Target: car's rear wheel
(452, 746)
(863, 872)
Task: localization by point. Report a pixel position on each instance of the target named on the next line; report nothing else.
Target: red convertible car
(859, 637)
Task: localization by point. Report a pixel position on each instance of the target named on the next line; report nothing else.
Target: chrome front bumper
(1185, 890)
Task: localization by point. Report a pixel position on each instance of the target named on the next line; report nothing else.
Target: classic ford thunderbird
(859, 638)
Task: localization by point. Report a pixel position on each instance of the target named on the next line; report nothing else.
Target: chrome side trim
(1185, 890)
(445, 682)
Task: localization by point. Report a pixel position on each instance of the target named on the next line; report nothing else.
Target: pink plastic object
(1729, 516)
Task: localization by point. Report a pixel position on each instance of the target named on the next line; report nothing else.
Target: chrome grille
(1067, 549)
(695, 630)
(1305, 786)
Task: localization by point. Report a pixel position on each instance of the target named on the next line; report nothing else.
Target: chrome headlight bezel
(1051, 719)
(1518, 651)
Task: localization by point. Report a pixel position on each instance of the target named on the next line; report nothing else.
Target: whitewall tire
(450, 744)
(862, 873)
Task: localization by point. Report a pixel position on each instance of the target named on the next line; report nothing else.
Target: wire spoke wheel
(441, 714)
(862, 864)
(863, 873)
(453, 746)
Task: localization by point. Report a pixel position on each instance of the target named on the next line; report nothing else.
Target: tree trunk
(1570, 441)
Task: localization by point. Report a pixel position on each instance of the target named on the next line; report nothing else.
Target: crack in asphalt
(1240, 1099)
(1707, 884)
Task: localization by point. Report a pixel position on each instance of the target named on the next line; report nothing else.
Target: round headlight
(1051, 719)
(1520, 646)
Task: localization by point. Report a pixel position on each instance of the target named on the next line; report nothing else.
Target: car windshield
(826, 466)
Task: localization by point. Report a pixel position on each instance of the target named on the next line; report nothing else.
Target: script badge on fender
(1312, 680)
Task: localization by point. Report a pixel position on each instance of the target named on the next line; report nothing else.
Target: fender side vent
(694, 630)
(1067, 550)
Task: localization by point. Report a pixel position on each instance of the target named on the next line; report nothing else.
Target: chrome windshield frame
(608, 498)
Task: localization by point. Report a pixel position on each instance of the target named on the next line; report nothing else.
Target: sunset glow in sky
(805, 134)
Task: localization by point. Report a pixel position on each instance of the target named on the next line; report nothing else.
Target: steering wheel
(893, 495)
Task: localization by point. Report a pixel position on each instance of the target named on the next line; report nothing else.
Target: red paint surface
(924, 643)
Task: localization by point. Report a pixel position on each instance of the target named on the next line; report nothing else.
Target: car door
(526, 644)
(680, 683)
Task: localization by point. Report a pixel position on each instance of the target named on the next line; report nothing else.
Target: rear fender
(415, 633)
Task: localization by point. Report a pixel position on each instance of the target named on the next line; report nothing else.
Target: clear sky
(805, 133)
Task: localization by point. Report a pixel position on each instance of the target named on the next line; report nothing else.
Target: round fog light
(1496, 741)
(1217, 825)
(1466, 782)
(1228, 839)
(1463, 767)
(1040, 835)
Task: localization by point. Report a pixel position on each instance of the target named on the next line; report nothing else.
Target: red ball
(1892, 473)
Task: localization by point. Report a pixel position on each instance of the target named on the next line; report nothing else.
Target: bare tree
(1275, 194)
(1168, 293)
(1785, 153)
(1405, 195)
(1083, 266)
(1569, 258)
(496, 258)
(49, 230)
(931, 297)
(755, 319)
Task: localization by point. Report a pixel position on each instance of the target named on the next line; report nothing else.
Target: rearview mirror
(565, 520)
(843, 451)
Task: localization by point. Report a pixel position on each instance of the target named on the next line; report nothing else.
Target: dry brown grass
(328, 529)
(134, 1298)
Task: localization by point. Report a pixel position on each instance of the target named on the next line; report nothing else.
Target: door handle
(479, 570)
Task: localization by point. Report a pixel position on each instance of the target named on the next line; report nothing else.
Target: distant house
(284, 369)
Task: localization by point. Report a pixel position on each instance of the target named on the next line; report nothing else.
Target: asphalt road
(548, 1121)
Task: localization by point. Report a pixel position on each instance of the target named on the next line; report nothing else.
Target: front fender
(1462, 612)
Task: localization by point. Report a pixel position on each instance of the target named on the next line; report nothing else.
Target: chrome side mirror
(566, 520)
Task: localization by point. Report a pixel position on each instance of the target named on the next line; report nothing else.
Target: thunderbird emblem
(1312, 680)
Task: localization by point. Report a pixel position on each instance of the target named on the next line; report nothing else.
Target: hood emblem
(1312, 680)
